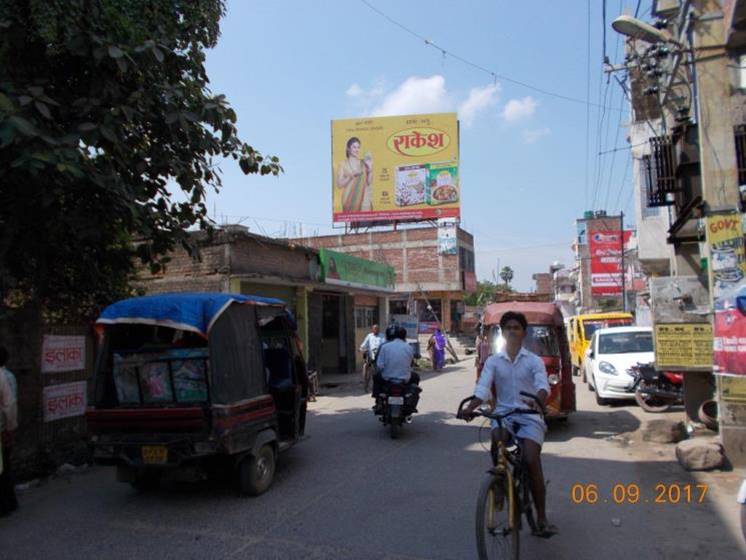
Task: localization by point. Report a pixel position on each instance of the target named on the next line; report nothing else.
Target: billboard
(606, 261)
(447, 237)
(349, 270)
(727, 262)
(396, 168)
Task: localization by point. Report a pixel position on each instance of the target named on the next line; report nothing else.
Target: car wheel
(257, 472)
(599, 399)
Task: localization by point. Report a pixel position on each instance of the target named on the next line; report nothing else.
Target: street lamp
(633, 27)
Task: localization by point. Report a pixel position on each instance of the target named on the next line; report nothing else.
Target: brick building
(332, 315)
(426, 272)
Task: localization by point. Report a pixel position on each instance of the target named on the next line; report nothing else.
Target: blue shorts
(525, 426)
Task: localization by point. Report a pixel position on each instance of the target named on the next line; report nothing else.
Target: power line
(495, 75)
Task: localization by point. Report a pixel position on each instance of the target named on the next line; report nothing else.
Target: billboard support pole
(624, 276)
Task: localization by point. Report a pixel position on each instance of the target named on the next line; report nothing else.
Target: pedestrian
(8, 426)
(484, 351)
(437, 348)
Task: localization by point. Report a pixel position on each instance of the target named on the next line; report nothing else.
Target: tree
(507, 275)
(105, 113)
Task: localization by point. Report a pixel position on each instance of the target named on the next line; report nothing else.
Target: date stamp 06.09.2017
(633, 493)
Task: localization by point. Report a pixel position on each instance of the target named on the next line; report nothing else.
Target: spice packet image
(411, 181)
(442, 184)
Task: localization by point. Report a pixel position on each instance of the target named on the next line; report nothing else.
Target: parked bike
(656, 391)
(504, 496)
(395, 404)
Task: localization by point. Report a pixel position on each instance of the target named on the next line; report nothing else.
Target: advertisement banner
(727, 263)
(62, 353)
(447, 237)
(606, 261)
(348, 270)
(729, 343)
(410, 322)
(64, 401)
(396, 168)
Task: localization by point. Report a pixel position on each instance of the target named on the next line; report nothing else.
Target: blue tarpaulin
(195, 312)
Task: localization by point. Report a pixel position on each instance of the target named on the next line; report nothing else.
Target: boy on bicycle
(508, 373)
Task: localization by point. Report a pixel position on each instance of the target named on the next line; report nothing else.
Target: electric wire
(495, 75)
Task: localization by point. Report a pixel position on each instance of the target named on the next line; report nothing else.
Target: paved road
(349, 492)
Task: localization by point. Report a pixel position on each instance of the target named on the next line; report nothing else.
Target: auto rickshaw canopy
(536, 313)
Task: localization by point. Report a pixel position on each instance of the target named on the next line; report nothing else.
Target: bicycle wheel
(495, 538)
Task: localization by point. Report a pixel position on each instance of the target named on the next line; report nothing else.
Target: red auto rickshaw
(545, 337)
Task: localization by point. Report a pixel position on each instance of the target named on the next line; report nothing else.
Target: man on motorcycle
(510, 372)
(394, 362)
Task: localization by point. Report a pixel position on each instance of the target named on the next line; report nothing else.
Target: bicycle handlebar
(499, 417)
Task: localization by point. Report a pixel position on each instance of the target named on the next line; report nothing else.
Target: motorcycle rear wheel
(651, 404)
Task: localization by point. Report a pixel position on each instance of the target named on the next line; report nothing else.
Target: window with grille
(647, 209)
(741, 153)
(660, 168)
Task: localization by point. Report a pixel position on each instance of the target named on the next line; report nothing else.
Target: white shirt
(527, 373)
(395, 360)
(371, 343)
(8, 401)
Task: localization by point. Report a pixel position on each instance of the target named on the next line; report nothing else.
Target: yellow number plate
(154, 454)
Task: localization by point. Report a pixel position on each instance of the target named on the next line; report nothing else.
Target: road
(350, 492)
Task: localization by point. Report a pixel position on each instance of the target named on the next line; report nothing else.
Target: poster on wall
(62, 353)
(447, 237)
(395, 168)
(729, 343)
(64, 401)
(606, 261)
(727, 262)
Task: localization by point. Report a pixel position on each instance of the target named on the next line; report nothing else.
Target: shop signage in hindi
(729, 344)
(727, 262)
(606, 261)
(64, 401)
(683, 345)
(62, 353)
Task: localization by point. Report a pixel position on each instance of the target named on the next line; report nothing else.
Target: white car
(611, 353)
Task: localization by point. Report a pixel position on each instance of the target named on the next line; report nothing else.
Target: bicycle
(504, 496)
(369, 360)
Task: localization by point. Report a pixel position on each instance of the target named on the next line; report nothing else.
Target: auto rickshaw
(545, 337)
(188, 385)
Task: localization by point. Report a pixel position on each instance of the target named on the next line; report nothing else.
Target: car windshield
(540, 339)
(592, 326)
(625, 343)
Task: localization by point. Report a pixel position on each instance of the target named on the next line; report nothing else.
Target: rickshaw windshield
(540, 339)
(150, 365)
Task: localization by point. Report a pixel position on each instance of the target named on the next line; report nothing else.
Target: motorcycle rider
(394, 363)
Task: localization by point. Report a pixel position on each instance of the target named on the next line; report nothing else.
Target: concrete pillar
(301, 296)
(718, 167)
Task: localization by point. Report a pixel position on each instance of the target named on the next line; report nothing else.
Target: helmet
(391, 331)
(401, 332)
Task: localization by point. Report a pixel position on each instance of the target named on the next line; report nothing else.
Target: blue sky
(290, 67)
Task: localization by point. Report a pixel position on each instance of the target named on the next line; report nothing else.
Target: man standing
(510, 372)
(8, 425)
(369, 348)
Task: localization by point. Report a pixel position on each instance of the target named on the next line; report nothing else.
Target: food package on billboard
(442, 186)
(410, 184)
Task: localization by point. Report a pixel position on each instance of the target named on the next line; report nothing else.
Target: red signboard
(606, 261)
(730, 334)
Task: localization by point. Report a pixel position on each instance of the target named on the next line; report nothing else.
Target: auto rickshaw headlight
(553, 379)
(607, 368)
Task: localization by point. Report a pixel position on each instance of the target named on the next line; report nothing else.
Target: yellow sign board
(727, 261)
(733, 388)
(683, 346)
(396, 168)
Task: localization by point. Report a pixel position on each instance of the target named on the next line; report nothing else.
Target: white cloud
(480, 98)
(531, 136)
(354, 91)
(517, 109)
(416, 95)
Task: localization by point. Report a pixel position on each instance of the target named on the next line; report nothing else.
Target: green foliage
(485, 293)
(105, 112)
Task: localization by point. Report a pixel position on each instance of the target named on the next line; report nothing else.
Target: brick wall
(412, 252)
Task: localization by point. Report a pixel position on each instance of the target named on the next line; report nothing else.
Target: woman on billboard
(354, 177)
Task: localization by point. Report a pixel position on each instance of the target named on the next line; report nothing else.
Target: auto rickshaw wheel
(256, 472)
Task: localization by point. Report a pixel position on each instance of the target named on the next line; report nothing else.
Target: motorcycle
(656, 391)
(395, 404)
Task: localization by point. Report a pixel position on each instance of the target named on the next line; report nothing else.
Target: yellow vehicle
(581, 328)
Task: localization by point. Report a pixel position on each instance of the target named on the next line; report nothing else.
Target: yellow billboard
(396, 168)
